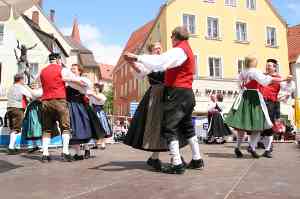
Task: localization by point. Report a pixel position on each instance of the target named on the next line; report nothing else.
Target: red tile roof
(106, 72)
(294, 42)
(136, 40)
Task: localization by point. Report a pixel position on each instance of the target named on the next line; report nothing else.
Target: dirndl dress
(144, 132)
(103, 119)
(79, 118)
(217, 128)
(249, 112)
(32, 123)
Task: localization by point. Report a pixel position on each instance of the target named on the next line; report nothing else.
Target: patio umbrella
(17, 7)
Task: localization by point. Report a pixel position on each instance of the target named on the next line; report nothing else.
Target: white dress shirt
(171, 59)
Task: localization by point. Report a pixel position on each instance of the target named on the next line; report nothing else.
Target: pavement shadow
(227, 155)
(7, 166)
(122, 166)
(39, 157)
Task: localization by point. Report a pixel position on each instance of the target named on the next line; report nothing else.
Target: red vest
(182, 76)
(52, 83)
(270, 92)
(253, 84)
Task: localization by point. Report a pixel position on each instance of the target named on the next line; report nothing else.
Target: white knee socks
(254, 138)
(66, 140)
(155, 155)
(175, 154)
(193, 142)
(239, 139)
(12, 141)
(268, 143)
(46, 142)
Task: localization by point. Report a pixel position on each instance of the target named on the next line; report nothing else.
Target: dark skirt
(136, 136)
(103, 119)
(80, 123)
(217, 127)
(32, 123)
(97, 130)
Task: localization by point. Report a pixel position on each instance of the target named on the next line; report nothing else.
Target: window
(197, 68)
(130, 86)
(189, 22)
(241, 65)
(1, 33)
(271, 37)
(230, 3)
(215, 67)
(241, 31)
(125, 90)
(212, 28)
(251, 4)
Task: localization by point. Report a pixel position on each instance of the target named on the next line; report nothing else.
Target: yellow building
(223, 33)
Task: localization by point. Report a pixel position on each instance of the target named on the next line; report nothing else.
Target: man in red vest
(179, 99)
(270, 94)
(55, 108)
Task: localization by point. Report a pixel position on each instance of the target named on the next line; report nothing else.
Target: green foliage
(108, 107)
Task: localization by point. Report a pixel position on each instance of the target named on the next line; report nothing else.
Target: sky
(106, 25)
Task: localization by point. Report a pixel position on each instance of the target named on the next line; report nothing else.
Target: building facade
(223, 33)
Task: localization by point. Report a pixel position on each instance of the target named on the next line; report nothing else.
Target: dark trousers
(178, 106)
(274, 114)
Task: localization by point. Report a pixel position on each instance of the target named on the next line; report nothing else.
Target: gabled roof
(47, 39)
(106, 71)
(78, 47)
(136, 40)
(294, 42)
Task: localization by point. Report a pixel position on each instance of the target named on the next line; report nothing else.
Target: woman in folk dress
(249, 112)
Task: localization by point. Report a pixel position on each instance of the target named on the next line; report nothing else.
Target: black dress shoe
(196, 164)
(67, 158)
(46, 158)
(238, 153)
(172, 169)
(267, 154)
(78, 157)
(154, 163)
(253, 153)
(33, 150)
(87, 154)
(184, 162)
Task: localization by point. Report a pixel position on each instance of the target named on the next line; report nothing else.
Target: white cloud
(91, 38)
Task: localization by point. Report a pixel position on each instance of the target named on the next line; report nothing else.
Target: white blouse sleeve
(261, 78)
(170, 59)
(143, 71)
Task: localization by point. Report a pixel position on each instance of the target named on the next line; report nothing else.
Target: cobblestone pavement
(121, 173)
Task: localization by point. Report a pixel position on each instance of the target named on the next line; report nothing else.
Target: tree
(108, 107)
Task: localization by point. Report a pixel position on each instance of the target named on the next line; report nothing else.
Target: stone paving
(121, 173)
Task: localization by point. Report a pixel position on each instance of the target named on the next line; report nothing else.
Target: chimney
(35, 17)
(52, 15)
